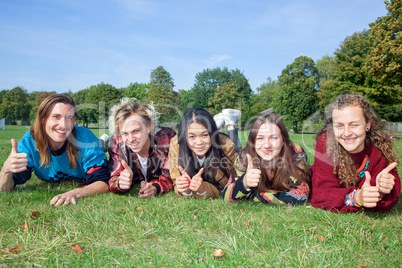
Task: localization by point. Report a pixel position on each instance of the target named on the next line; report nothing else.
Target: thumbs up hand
(126, 176)
(196, 182)
(386, 181)
(183, 181)
(16, 162)
(369, 195)
(253, 175)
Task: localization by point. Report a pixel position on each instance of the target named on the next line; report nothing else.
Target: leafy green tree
(136, 90)
(207, 82)
(36, 99)
(94, 103)
(226, 96)
(264, 97)
(82, 116)
(383, 63)
(161, 93)
(15, 105)
(186, 100)
(103, 96)
(296, 97)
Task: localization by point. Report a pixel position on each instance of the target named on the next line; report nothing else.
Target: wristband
(203, 194)
(185, 194)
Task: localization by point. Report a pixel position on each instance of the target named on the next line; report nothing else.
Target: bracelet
(185, 194)
(203, 194)
(352, 199)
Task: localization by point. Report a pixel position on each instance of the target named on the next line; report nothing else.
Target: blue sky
(61, 45)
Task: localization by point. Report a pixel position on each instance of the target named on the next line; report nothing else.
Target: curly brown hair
(343, 162)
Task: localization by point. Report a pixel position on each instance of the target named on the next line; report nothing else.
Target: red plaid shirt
(158, 162)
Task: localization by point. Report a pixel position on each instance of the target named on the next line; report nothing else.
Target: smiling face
(135, 134)
(59, 124)
(198, 139)
(268, 142)
(350, 128)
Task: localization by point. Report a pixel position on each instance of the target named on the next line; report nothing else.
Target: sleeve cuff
(158, 187)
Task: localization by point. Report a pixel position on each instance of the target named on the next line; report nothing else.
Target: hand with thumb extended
(385, 181)
(183, 181)
(126, 176)
(369, 195)
(196, 181)
(253, 175)
(16, 162)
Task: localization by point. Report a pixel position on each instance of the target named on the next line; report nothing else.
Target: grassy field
(111, 230)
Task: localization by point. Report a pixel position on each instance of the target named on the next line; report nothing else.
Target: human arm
(71, 197)
(121, 175)
(390, 199)
(326, 191)
(160, 165)
(15, 163)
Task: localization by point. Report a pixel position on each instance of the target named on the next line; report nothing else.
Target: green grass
(172, 231)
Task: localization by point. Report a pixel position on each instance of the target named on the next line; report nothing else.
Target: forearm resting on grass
(71, 197)
(6, 179)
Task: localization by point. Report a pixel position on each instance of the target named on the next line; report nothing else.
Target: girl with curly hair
(355, 162)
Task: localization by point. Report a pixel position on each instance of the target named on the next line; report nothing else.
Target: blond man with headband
(138, 150)
(57, 151)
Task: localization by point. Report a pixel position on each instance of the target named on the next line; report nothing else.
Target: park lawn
(164, 231)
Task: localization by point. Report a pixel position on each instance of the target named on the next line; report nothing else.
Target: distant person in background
(57, 151)
(138, 150)
(230, 116)
(200, 158)
(354, 166)
(271, 169)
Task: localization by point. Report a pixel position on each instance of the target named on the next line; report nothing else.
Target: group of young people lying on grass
(354, 165)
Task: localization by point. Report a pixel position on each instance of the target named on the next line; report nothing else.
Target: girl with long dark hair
(271, 169)
(200, 158)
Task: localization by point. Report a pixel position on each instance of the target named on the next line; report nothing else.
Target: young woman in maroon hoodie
(355, 162)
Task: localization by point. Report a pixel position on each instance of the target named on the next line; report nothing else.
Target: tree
(136, 90)
(209, 80)
(36, 99)
(94, 103)
(15, 105)
(264, 97)
(226, 96)
(161, 93)
(296, 97)
(383, 63)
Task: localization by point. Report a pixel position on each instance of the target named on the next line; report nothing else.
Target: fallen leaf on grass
(385, 239)
(25, 227)
(8, 203)
(362, 265)
(218, 253)
(139, 208)
(7, 249)
(196, 217)
(16, 249)
(322, 238)
(4, 256)
(241, 210)
(77, 248)
(248, 223)
(33, 214)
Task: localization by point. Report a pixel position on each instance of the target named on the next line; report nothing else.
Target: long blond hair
(375, 136)
(42, 140)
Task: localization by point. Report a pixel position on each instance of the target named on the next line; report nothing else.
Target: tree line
(368, 62)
